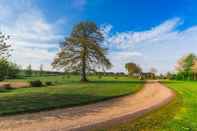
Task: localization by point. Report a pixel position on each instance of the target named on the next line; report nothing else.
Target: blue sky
(152, 33)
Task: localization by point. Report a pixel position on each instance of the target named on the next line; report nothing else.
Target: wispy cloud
(31, 35)
(159, 46)
(124, 40)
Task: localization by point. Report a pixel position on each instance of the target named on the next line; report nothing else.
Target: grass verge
(178, 115)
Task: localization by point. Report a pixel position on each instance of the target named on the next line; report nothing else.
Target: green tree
(3, 68)
(184, 66)
(28, 71)
(82, 51)
(8, 69)
(13, 70)
(132, 68)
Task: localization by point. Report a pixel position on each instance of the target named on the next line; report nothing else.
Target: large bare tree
(83, 51)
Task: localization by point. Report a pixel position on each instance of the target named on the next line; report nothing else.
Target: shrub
(48, 83)
(36, 83)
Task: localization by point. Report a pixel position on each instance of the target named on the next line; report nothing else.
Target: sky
(151, 33)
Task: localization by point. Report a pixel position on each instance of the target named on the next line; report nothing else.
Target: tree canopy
(185, 63)
(83, 51)
(132, 68)
(3, 45)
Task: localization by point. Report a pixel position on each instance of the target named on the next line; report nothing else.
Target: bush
(48, 83)
(36, 83)
(8, 69)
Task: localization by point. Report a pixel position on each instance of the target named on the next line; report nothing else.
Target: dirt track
(101, 114)
(14, 85)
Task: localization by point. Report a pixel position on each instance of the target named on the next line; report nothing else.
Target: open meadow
(65, 92)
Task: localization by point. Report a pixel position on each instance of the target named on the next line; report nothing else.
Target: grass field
(66, 93)
(179, 115)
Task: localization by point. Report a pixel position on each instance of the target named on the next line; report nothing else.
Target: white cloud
(31, 35)
(126, 40)
(160, 46)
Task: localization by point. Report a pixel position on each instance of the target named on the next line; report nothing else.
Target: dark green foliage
(13, 71)
(48, 83)
(3, 68)
(36, 83)
(29, 71)
(8, 70)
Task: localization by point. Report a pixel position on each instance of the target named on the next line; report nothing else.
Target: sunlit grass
(179, 115)
(66, 93)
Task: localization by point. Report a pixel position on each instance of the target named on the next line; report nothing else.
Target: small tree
(28, 71)
(41, 70)
(82, 50)
(133, 68)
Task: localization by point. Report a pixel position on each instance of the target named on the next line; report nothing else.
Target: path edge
(129, 117)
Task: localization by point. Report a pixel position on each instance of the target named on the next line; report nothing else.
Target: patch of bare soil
(102, 114)
(14, 85)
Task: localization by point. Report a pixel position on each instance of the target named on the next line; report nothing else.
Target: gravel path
(87, 117)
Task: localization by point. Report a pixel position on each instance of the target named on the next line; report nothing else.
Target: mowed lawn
(65, 93)
(179, 115)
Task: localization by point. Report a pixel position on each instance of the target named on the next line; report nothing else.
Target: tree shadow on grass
(170, 82)
(116, 82)
(43, 102)
(5, 90)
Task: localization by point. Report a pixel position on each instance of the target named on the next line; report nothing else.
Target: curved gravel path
(101, 114)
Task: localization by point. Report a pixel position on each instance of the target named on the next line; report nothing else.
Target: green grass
(67, 92)
(179, 115)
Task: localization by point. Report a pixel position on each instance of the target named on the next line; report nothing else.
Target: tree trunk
(83, 68)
